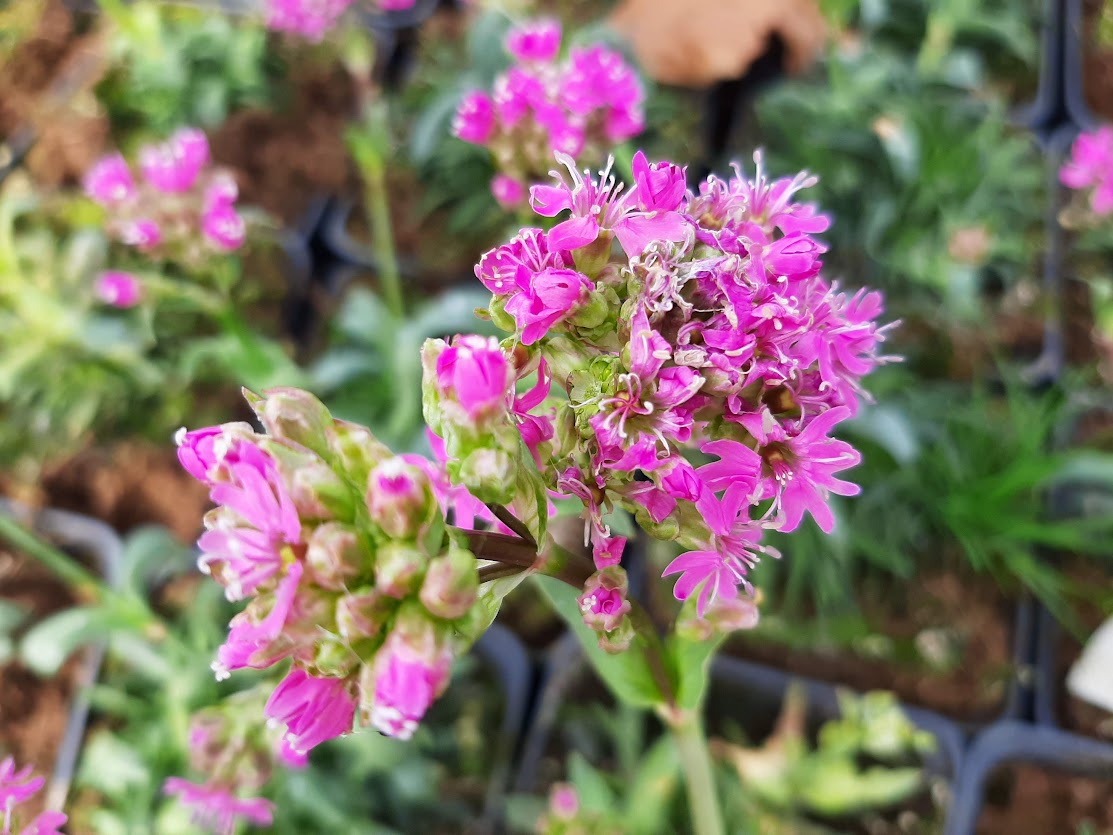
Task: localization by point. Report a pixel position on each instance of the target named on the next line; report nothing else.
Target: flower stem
(695, 759)
(84, 582)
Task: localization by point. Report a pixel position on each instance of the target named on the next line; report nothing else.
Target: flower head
(314, 710)
(109, 181)
(536, 40)
(17, 786)
(1091, 166)
(118, 289)
(216, 808)
(173, 166)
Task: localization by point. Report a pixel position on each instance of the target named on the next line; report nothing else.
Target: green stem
(84, 582)
(695, 759)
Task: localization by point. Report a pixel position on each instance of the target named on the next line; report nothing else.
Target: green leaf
(627, 674)
(149, 549)
(656, 783)
(111, 766)
(591, 785)
(691, 661)
(47, 645)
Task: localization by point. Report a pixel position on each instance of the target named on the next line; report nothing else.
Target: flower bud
(489, 475)
(354, 450)
(398, 569)
(294, 415)
(362, 614)
(617, 640)
(118, 289)
(593, 312)
(451, 584)
(109, 181)
(396, 691)
(603, 603)
(666, 530)
(474, 372)
(724, 616)
(333, 658)
(564, 803)
(318, 492)
(502, 320)
(607, 550)
(400, 498)
(334, 556)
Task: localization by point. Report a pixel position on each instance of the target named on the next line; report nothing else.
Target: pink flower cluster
(1090, 167)
(342, 550)
(705, 363)
(17, 786)
(179, 206)
(581, 106)
(313, 19)
(238, 752)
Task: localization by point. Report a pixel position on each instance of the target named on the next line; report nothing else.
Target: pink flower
(474, 371)
(313, 709)
(221, 191)
(598, 78)
(1091, 165)
(597, 207)
(406, 683)
(475, 118)
(537, 40)
(396, 5)
(16, 788)
(289, 756)
(109, 181)
(197, 450)
(118, 289)
(607, 550)
(174, 165)
(143, 234)
(660, 186)
(253, 641)
(216, 808)
(246, 548)
(224, 227)
(717, 570)
(603, 603)
(564, 802)
(547, 298)
(508, 191)
(528, 253)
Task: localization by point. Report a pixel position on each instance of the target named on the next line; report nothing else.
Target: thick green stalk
(84, 582)
(699, 776)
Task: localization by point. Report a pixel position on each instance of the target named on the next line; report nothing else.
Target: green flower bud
(503, 320)
(294, 415)
(489, 475)
(355, 450)
(451, 584)
(362, 614)
(398, 569)
(333, 658)
(335, 557)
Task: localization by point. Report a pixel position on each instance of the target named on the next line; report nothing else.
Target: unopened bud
(451, 584)
(398, 569)
(356, 451)
(335, 557)
(489, 475)
(617, 640)
(593, 312)
(400, 498)
(333, 658)
(297, 416)
(564, 803)
(503, 320)
(361, 614)
(318, 492)
(722, 617)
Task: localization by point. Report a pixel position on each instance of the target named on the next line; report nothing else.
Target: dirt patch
(933, 613)
(1026, 800)
(1072, 713)
(34, 711)
(282, 159)
(46, 90)
(130, 485)
(1097, 59)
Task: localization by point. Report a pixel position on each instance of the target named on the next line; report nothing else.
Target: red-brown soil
(1026, 800)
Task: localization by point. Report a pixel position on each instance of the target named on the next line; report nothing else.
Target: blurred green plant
(866, 761)
(174, 66)
(953, 477)
(74, 369)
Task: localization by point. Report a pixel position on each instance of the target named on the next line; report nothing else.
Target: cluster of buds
(582, 106)
(179, 206)
(1090, 169)
(313, 19)
(238, 753)
(704, 362)
(342, 550)
(17, 786)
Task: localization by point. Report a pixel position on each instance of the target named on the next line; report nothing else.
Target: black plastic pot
(306, 259)
(505, 657)
(343, 247)
(738, 690)
(396, 39)
(1013, 742)
(1048, 110)
(72, 531)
